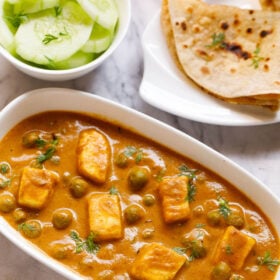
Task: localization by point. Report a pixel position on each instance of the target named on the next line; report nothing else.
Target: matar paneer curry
(110, 204)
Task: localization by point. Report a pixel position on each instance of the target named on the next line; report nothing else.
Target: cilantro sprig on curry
(104, 201)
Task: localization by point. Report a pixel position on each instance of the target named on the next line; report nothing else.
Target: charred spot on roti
(236, 22)
(232, 70)
(183, 25)
(249, 30)
(237, 50)
(203, 54)
(251, 12)
(264, 33)
(224, 25)
(205, 70)
(266, 68)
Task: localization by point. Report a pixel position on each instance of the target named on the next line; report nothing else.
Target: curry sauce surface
(115, 258)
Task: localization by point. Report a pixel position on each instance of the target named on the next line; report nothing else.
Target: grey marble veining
(257, 149)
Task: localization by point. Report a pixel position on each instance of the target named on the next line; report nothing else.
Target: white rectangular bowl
(53, 99)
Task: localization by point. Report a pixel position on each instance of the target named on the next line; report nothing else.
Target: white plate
(42, 100)
(166, 88)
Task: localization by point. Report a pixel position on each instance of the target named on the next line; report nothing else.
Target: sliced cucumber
(99, 41)
(53, 37)
(6, 35)
(33, 6)
(78, 59)
(104, 12)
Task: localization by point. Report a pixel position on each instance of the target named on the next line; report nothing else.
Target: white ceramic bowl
(71, 100)
(124, 7)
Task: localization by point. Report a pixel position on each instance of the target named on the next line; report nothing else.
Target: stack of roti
(232, 53)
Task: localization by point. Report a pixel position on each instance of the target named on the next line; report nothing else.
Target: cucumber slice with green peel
(33, 6)
(104, 12)
(6, 35)
(99, 41)
(78, 59)
(53, 37)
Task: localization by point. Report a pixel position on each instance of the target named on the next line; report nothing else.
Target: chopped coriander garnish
(256, 57)
(186, 171)
(4, 168)
(131, 151)
(26, 226)
(179, 250)
(113, 190)
(200, 225)
(40, 143)
(191, 174)
(218, 40)
(5, 183)
(191, 192)
(88, 244)
(47, 155)
(49, 38)
(224, 209)
(228, 249)
(268, 261)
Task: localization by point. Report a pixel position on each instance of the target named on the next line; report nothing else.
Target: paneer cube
(233, 248)
(156, 262)
(175, 205)
(93, 155)
(105, 216)
(36, 187)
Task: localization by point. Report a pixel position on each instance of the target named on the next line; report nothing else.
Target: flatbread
(272, 5)
(243, 67)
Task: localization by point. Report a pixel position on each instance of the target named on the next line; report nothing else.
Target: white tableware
(124, 7)
(164, 86)
(53, 99)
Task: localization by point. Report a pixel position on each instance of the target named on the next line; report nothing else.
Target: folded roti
(272, 5)
(232, 53)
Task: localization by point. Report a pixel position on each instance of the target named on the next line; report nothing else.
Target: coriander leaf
(40, 143)
(49, 38)
(130, 151)
(186, 171)
(113, 190)
(47, 155)
(4, 168)
(256, 59)
(191, 192)
(217, 40)
(5, 183)
(88, 244)
(266, 260)
(179, 250)
(139, 156)
(224, 209)
(228, 249)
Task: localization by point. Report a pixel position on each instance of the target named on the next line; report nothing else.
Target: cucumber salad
(57, 34)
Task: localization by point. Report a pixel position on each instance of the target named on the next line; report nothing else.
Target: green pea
(29, 139)
(138, 177)
(121, 160)
(78, 187)
(236, 220)
(31, 228)
(149, 199)
(221, 271)
(214, 218)
(19, 215)
(133, 213)
(62, 218)
(7, 202)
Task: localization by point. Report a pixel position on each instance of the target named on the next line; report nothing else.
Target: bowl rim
(119, 36)
(63, 99)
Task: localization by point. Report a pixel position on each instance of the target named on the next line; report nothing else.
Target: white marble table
(257, 149)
